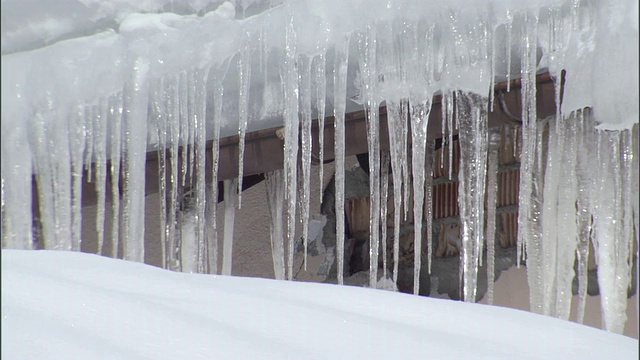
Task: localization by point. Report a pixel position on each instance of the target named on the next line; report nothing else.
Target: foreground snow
(64, 305)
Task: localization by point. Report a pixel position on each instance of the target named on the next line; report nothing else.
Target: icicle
(200, 105)
(230, 198)
(428, 184)
(174, 122)
(583, 207)
(448, 105)
(89, 137)
(135, 146)
(275, 201)
(159, 114)
(611, 234)
(244, 80)
(184, 124)
(339, 101)
(472, 125)
(291, 125)
(100, 153)
(508, 47)
(321, 97)
(384, 200)
(397, 151)
(406, 175)
(191, 101)
(305, 111)
(17, 223)
(212, 204)
(115, 139)
(419, 124)
(492, 190)
(367, 47)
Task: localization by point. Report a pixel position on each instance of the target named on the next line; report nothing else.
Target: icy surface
(79, 306)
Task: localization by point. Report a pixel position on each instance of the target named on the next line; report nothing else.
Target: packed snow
(107, 81)
(66, 305)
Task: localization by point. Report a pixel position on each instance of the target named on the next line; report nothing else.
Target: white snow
(65, 305)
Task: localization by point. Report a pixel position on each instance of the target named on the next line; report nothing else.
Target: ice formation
(75, 104)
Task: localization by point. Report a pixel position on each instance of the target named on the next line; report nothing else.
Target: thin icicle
(191, 100)
(419, 124)
(100, 154)
(428, 185)
(230, 200)
(339, 101)
(184, 124)
(77, 144)
(244, 80)
(275, 201)
(160, 115)
(321, 97)
(305, 113)
(404, 153)
(212, 204)
(200, 168)
(173, 127)
(89, 139)
(492, 190)
(396, 142)
(384, 200)
(115, 138)
(367, 46)
(291, 125)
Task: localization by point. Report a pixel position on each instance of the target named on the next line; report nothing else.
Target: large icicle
(339, 103)
(472, 125)
(291, 125)
(275, 201)
(230, 200)
(135, 146)
(492, 190)
(398, 153)
(305, 114)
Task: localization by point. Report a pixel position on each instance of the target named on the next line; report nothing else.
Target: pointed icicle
(100, 154)
(173, 127)
(397, 152)
(135, 150)
(159, 114)
(472, 126)
(305, 111)
(367, 47)
(321, 97)
(339, 101)
(428, 205)
(384, 200)
(492, 191)
(200, 104)
(291, 125)
(115, 138)
(275, 201)
(230, 200)
(212, 203)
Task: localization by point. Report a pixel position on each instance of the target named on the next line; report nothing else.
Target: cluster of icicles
(576, 183)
